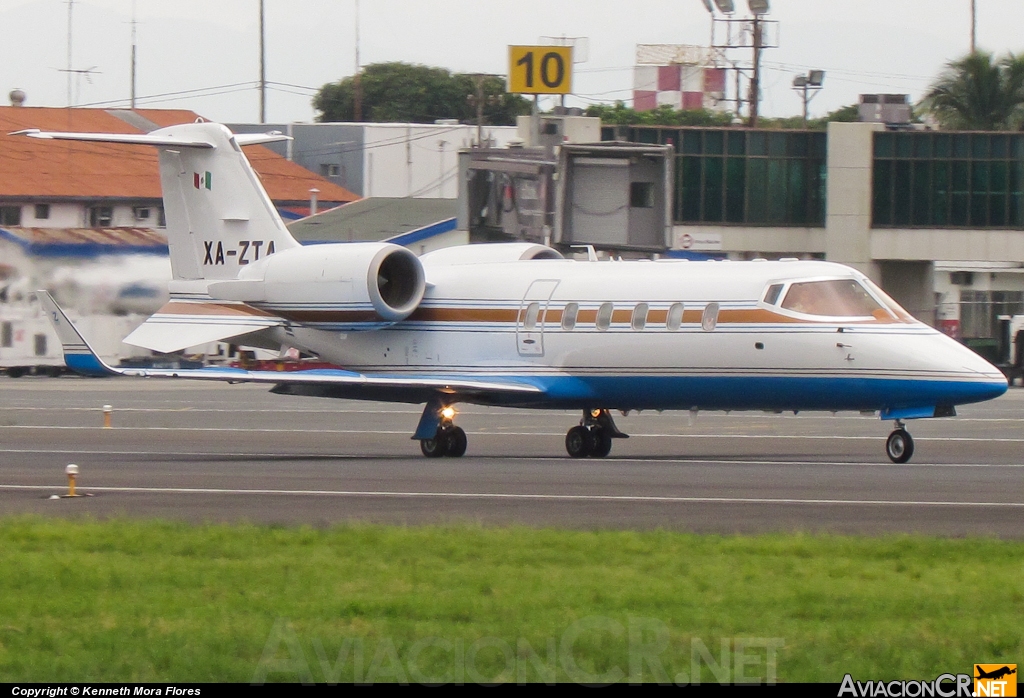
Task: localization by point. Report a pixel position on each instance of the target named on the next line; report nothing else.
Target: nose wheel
(900, 445)
(593, 437)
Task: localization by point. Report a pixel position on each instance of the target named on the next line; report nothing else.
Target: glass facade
(742, 177)
(948, 180)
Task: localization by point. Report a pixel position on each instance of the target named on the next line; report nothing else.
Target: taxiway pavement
(205, 452)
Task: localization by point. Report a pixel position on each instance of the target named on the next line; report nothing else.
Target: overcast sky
(203, 54)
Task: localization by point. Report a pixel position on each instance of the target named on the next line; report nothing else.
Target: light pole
(809, 85)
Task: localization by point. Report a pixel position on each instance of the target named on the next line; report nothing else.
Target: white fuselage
(475, 320)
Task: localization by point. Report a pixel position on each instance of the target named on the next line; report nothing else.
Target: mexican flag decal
(202, 180)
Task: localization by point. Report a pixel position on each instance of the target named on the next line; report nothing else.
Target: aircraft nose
(991, 383)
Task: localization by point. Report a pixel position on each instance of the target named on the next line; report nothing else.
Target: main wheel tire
(435, 447)
(603, 443)
(456, 441)
(899, 446)
(577, 442)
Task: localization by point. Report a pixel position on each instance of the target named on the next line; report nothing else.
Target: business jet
(518, 325)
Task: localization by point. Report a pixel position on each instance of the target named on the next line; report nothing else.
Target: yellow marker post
(107, 413)
(71, 471)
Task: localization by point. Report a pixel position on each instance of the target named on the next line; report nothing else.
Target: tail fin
(219, 217)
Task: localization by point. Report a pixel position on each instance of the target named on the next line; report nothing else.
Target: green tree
(978, 92)
(664, 115)
(418, 94)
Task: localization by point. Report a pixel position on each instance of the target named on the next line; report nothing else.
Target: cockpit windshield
(834, 298)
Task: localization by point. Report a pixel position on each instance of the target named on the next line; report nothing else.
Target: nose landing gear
(900, 445)
(593, 437)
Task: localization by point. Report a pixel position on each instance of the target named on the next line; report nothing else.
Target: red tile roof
(33, 168)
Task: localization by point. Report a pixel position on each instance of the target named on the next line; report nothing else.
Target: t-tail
(219, 216)
(220, 220)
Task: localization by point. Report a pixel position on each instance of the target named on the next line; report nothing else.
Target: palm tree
(978, 93)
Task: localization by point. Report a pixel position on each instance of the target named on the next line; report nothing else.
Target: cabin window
(709, 320)
(772, 295)
(639, 319)
(569, 316)
(604, 317)
(6, 334)
(833, 298)
(532, 311)
(675, 317)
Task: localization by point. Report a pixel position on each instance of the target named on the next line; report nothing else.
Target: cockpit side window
(833, 298)
(771, 296)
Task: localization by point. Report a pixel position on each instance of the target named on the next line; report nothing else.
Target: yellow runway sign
(540, 70)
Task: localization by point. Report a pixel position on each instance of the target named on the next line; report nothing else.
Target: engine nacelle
(347, 285)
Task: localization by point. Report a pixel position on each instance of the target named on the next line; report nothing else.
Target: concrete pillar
(848, 198)
(912, 285)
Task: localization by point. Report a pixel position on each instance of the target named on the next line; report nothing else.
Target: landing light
(448, 412)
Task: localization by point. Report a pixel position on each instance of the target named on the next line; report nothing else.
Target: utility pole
(263, 70)
(974, 24)
(133, 55)
(357, 82)
(755, 81)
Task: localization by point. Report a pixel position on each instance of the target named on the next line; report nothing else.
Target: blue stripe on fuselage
(750, 392)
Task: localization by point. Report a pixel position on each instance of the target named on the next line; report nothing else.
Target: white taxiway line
(515, 496)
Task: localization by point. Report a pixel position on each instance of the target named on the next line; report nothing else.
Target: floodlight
(757, 7)
(815, 78)
(800, 81)
(726, 7)
(707, 4)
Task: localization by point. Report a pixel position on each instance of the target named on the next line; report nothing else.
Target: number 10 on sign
(540, 70)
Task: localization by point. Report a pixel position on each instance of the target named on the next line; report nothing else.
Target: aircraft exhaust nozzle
(396, 283)
(364, 284)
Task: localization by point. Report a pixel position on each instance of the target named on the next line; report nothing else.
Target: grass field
(154, 601)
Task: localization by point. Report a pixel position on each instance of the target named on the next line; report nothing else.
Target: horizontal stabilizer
(129, 138)
(148, 139)
(182, 324)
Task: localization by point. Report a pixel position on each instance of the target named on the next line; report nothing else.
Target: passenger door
(532, 313)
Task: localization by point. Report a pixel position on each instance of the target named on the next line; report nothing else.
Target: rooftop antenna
(71, 6)
(263, 70)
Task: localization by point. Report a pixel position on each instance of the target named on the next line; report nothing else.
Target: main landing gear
(593, 437)
(437, 434)
(900, 445)
(449, 440)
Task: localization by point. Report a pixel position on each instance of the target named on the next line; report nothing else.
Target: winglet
(78, 355)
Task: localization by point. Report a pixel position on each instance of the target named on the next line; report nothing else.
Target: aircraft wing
(81, 358)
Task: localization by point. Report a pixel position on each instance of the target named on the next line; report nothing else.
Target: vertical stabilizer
(219, 217)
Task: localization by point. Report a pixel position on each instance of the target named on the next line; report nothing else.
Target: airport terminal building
(936, 217)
